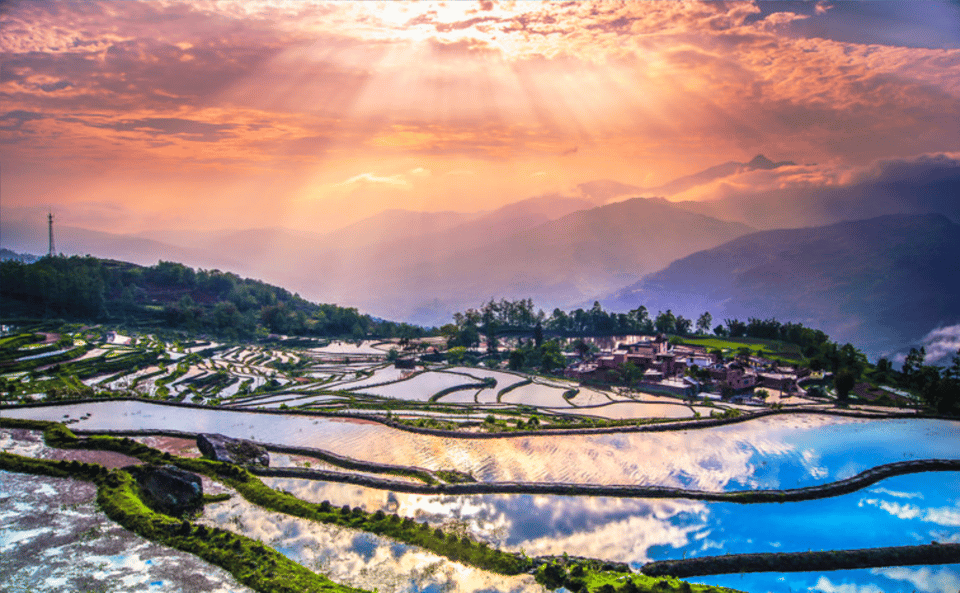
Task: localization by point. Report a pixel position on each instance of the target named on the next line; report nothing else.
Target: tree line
(179, 297)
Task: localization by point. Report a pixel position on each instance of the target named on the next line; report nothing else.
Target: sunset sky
(129, 116)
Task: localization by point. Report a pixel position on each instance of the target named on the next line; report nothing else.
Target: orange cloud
(581, 91)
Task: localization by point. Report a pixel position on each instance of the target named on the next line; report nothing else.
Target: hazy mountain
(880, 283)
(26, 258)
(31, 237)
(602, 191)
(713, 173)
(916, 186)
(557, 263)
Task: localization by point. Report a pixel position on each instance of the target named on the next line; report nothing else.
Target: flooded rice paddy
(773, 452)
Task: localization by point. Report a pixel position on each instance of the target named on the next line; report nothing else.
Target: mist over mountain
(31, 237)
(714, 173)
(930, 183)
(566, 250)
(879, 283)
(560, 262)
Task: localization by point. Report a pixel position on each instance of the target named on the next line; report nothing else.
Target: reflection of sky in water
(903, 510)
(360, 559)
(772, 452)
(905, 579)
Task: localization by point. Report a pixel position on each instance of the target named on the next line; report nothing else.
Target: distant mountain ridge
(558, 263)
(727, 169)
(916, 186)
(881, 282)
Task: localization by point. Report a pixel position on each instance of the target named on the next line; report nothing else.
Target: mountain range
(605, 239)
(878, 283)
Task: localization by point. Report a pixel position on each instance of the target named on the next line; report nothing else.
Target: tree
(456, 354)
(666, 323)
(913, 361)
(703, 323)
(683, 325)
(630, 373)
(516, 360)
(581, 347)
(844, 381)
(953, 372)
(538, 335)
(720, 331)
(551, 358)
(735, 328)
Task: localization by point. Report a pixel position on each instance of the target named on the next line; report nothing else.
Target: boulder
(231, 450)
(169, 489)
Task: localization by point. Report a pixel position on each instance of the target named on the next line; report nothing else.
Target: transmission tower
(53, 250)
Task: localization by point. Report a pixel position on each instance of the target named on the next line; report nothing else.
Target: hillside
(714, 173)
(919, 186)
(557, 263)
(881, 283)
(171, 295)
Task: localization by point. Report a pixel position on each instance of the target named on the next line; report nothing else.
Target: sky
(133, 116)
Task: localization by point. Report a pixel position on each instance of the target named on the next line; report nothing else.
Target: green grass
(264, 569)
(773, 349)
(249, 561)
(592, 576)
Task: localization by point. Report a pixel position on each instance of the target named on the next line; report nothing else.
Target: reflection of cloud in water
(825, 585)
(925, 579)
(628, 539)
(896, 494)
(357, 558)
(759, 453)
(944, 516)
(609, 528)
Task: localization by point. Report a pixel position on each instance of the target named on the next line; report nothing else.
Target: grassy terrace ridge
(586, 426)
(933, 553)
(266, 570)
(459, 483)
(468, 487)
(257, 566)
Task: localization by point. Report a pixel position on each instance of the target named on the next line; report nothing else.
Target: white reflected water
(772, 452)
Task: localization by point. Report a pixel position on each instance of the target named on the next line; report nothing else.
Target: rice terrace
(480, 296)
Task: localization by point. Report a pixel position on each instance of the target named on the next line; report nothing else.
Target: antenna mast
(53, 250)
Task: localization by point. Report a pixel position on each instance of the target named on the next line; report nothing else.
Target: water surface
(773, 452)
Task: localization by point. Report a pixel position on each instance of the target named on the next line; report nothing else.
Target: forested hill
(175, 296)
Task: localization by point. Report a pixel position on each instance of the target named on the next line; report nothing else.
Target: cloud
(370, 178)
(14, 120)
(593, 89)
(940, 344)
(199, 131)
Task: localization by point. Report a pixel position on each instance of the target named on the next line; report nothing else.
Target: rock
(169, 489)
(235, 451)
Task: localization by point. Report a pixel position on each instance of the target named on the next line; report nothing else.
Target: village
(695, 371)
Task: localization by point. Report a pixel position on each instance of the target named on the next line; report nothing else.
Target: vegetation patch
(252, 563)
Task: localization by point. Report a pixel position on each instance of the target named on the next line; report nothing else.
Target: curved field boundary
(807, 561)
(840, 487)
(346, 387)
(466, 386)
(321, 454)
(659, 425)
(511, 387)
(858, 482)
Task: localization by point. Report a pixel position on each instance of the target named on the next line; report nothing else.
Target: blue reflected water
(773, 452)
(903, 510)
